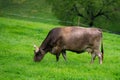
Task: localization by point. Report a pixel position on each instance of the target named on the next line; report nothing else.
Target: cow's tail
(102, 50)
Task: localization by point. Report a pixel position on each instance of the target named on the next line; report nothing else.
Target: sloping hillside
(16, 55)
(33, 10)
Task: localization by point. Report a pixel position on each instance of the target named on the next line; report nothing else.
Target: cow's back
(79, 38)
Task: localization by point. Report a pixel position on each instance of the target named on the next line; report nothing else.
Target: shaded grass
(37, 11)
(16, 56)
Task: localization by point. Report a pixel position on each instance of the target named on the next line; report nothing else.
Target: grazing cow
(76, 39)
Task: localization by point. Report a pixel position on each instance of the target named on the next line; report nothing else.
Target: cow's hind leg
(64, 54)
(98, 53)
(100, 57)
(93, 57)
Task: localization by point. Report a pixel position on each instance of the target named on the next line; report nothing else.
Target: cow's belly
(79, 49)
(76, 47)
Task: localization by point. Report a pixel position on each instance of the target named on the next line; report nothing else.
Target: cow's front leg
(57, 57)
(56, 50)
(64, 54)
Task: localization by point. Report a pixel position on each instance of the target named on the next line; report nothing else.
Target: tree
(4, 3)
(87, 10)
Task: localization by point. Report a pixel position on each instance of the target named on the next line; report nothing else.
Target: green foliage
(16, 56)
(87, 10)
(4, 3)
(8, 3)
(62, 11)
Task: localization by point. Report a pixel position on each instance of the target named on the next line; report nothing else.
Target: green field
(16, 56)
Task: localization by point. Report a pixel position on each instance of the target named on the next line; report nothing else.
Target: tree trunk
(91, 23)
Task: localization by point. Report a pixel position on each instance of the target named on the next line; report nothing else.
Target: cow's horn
(35, 46)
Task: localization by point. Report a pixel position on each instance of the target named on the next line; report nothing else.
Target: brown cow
(76, 39)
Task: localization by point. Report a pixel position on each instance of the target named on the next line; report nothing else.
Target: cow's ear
(35, 46)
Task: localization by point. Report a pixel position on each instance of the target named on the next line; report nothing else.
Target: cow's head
(38, 54)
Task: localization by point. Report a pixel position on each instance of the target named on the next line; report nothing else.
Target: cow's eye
(37, 54)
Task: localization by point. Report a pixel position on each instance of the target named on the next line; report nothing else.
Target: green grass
(16, 56)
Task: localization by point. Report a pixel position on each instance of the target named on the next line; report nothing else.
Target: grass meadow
(16, 55)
